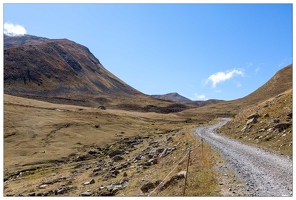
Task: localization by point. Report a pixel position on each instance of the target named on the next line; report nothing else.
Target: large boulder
(173, 180)
(149, 185)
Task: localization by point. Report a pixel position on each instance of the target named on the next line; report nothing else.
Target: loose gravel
(264, 173)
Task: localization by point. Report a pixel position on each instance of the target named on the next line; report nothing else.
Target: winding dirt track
(264, 173)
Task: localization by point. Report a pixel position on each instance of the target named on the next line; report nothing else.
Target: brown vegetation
(271, 127)
(53, 149)
(69, 125)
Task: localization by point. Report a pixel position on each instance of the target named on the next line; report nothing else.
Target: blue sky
(201, 51)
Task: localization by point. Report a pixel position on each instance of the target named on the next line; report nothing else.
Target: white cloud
(238, 84)
(199, 97)
(257, 69)
(223, 76)
(14, 30)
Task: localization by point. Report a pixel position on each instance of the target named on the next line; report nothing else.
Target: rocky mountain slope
(14, 41)
(268, 124)
(264, 117)
(56, 68)
(62, 71)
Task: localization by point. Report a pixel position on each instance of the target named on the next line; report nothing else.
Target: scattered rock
(115, 172)
(62, 190)
(97, 126)
(107, 191)
(166, 152)
(266, 115)
(43, 186)
(117, 187)
(102, 107)
(108, 175)
(289, 116)
(170, 139)
(269, 130)
(154, 144)
(275, 120)
(252, 120)
(92, 181)
(174, 179)
(116, 152)
(137, 158)
(92, 152)
(254, 116)
(117, 158)
(87, 193)
(244, 129)
(282, 126)
(124, 174)
(32, 194)
(149, 185)
(97, 169)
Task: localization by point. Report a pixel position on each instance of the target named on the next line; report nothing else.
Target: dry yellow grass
(43, 138)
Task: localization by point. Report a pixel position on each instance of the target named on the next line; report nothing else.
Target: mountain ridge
(175, 97)
(56, 67)
(43, 68)
(63, 71)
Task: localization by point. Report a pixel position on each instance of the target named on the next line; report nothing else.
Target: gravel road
(264, 173)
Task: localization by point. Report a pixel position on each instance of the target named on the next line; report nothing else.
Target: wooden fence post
(186, 171)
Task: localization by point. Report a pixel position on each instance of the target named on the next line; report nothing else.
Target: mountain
(60, 68)
(183, 100)
(265, 117)
(22, 40)
(62, 71)
(279, 83)
(173, 97)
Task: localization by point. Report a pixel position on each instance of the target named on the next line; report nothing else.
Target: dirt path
(264, 173)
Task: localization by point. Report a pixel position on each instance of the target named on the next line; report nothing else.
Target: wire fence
(187, 153)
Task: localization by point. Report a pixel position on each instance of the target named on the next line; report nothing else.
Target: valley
(72, 128)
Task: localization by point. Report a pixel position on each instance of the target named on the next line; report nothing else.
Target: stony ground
(151, 165)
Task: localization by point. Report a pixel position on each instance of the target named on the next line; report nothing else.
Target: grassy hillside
(278, 84)
(272, 128)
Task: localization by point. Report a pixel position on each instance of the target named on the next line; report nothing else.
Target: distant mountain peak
(173, 96)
